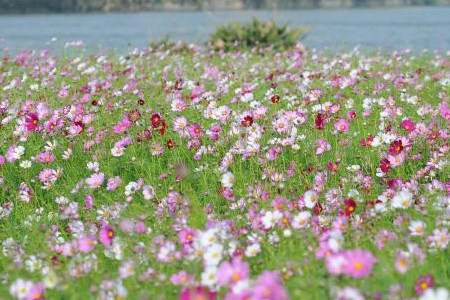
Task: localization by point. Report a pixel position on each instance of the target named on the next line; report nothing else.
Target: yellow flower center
(358, 266)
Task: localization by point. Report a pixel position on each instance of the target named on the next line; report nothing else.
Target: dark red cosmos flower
(367, 141)
(396, 147)
(162, 127)
(318, 208)
(320, 121)
(32, 121)
(332, 167)
(385, 165)
(275, 99)
(350, 206)
(170, 144)
(156, 120)
(247, 122)
(373, 202)
(433, 136)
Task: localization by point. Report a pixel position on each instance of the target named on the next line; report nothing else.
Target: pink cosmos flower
(269, 287)
(186, 236)
(47, 175)
(182, 278)
(140, 227)
(86, 244)
(402, 263)
(231, 272)
(96, 180)
(335, 263)
(113, 183)
(106, 235)
(54, 123)
(396, 160)
(46, 157)
(359, 263)
(122, 126)
(342, 125)
(36, 292)
(444, 110)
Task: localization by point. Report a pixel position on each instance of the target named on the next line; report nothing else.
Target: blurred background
(119, 24)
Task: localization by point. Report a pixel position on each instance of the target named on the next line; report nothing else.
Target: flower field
(183, 173)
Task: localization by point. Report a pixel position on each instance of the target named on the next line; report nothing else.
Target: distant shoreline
(344, 4)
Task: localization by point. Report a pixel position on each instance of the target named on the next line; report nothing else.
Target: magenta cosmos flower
(359, 263)
(231, 272)
(32, 121)
(342, 125)
(195, 130)
(423, 283)
(106, 235)
(198, 292)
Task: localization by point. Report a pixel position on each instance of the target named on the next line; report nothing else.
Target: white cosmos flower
(416, 227)
(20, 288)
(402, 199)
(436, 294)
(310, 199)
(253, 250)
(209, 277)
(213, 255)
(301, 220)
(271, 218)
(148, 191)
(227, 180)
(25, 164)
(117, 151)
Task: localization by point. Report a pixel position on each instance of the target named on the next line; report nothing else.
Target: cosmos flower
(435, 294)
(95, 180)
(402, 199)
(198, 292)
(32, 121)
(195, 130)
(106, 235)
(227, 180)
(424, 283)
(310, 199)
(358, 263)
(231, 272)
(342, 125)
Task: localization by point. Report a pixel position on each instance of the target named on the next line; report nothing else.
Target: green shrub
(256, 34)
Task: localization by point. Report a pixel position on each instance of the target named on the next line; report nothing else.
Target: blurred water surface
(388, 28)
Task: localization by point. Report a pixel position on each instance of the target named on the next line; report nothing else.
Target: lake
(387, 28)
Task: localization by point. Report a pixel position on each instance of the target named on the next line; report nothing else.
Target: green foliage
(256, 34)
